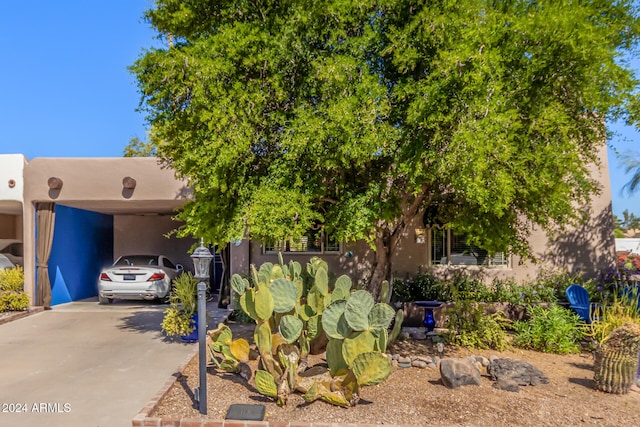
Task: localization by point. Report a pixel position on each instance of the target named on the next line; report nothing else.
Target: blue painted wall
(82, 245)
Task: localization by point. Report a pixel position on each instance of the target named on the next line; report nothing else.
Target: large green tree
(362, 114)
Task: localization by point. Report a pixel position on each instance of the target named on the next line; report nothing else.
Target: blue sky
(66, 92)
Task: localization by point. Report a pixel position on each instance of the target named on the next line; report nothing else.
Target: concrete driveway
(83, 364)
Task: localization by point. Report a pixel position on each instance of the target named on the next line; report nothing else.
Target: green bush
(461, 287)
(550, 330)
(614, 314)
(13, 301)
(470, 327)
(12, 279)
(423, 287)
(556, 283)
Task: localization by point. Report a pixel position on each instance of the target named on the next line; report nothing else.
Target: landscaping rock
(459, 372)
(507, 385)
(507, 372)
(419, 364)
(420, 336)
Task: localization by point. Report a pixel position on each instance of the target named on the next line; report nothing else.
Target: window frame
(448, 239)
(285, 246)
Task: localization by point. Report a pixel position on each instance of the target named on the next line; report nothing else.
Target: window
(451, 248)
(314, 241)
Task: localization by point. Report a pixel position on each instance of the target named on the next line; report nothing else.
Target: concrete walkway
(83, 364)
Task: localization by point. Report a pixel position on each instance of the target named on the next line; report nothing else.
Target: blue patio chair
(580, 303)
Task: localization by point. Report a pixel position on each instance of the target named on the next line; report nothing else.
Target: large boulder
(459, 372)
(509, 374)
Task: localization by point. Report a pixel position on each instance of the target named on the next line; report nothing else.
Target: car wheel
(104, 300)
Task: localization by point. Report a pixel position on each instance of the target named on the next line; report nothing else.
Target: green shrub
(177, 322)
(550, 330)
(184, 304)
(614, 314)
(12, 279)
(470, 327)
(13, 301)
(423, 287)
(556, 283)
(184, 293)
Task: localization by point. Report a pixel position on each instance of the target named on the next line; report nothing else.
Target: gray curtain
(45, 217)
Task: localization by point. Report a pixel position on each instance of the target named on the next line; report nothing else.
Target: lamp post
(201, 261)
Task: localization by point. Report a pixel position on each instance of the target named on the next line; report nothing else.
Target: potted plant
(181, 318)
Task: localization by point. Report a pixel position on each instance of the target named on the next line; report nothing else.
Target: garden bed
(417, 396)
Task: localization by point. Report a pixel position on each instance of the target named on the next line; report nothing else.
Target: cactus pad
(290, 328)
(285, 295)
(381, 316)
(371, 368)
(358, 343)
(334, 322)
(238, 284)
(356, 312)
(266, 384)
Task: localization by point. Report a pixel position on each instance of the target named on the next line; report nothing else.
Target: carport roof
(123, 185)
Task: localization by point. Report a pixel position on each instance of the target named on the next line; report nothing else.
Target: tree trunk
(387, 238)
(382, 263)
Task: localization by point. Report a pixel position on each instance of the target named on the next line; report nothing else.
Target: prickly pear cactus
(616, 360)
(226, 353)
(291, 311)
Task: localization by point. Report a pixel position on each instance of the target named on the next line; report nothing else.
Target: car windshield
(137, 260)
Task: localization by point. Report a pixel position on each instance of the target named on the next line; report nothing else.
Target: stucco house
(76, 215)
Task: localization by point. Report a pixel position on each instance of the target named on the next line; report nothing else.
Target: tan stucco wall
(136, 234)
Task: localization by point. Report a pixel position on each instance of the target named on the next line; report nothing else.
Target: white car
(5, 262)
(12, 249)
(146, 277)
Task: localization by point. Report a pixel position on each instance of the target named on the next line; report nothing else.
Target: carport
(82, 213)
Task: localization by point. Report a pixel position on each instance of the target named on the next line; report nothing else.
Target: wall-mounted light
(128, 183)
(421, 236)
(12, 183)
(54, 183)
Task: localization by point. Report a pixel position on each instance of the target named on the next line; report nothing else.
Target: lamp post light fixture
(201, 261)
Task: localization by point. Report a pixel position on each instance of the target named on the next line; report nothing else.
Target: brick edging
(20, 314)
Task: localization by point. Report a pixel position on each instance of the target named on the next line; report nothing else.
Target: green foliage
(226, 352)
(13, 301)
(12, 297)
(139, 148)
(177, 318)
(360, 115)
(12, 279)
(427, 287)
(468, 326)
(614, 314)
(550, 330)
(184, 293)
(423, 287)
(177, 322)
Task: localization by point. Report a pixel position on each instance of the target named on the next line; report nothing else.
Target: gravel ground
(417, 396)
